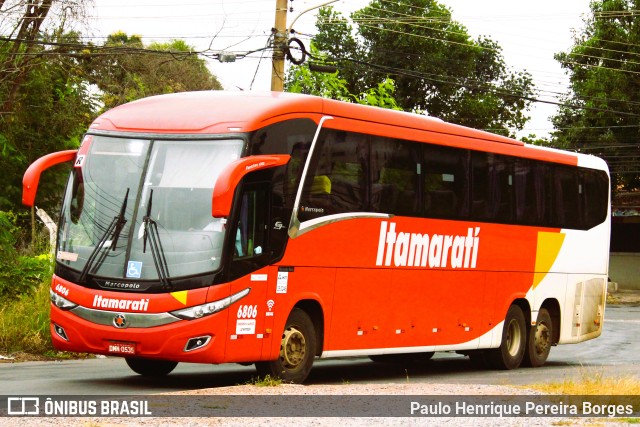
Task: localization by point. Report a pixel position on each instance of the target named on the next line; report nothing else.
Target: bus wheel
(402, 358)
(297, 350)
(540, 340)
(514, 339)
(151, 367)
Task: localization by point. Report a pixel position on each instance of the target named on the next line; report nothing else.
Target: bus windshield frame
(124, 190)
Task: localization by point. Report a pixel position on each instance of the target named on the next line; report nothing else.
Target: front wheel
(540, 340)
(297, 350)
(514, 340)
(151, 367)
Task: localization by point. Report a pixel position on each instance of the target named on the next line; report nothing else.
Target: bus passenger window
(567, 198)
(596, 192)
(492, 195)
(395, 169)
(250, 235)
(335, 182)
(446, 185)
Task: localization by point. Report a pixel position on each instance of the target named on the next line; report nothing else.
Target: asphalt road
(616, 353)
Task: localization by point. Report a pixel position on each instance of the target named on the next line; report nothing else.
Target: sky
(529, 32)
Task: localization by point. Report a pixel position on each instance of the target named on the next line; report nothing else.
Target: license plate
(122, 348)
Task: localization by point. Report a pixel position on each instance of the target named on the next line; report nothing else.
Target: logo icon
(270, 304)
(120, 321)
(134, 269)
(23, 406)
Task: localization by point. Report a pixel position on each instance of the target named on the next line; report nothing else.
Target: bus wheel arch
(298, 345)
(510, 353)
(315, 312)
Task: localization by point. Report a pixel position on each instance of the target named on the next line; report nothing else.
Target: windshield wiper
(151, 233)
(112, 232)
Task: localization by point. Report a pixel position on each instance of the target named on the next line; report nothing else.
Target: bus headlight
(209, 308)
(61, 302)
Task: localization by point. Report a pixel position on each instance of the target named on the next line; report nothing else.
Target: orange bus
(274, 228)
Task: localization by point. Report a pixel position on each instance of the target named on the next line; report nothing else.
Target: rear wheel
(297, 350)
(151, 367)
(540, 340)
(514, 340)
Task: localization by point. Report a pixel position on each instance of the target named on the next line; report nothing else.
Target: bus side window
(595, 195)
(492, 195)
(336, 179)
(446, 183)
(567, 198)
(395, 169)
(251, 230)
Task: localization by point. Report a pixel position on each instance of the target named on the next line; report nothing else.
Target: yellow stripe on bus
(549, 245)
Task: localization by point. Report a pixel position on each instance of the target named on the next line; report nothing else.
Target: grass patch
(592, 382)
(266, 381)
(24, 323)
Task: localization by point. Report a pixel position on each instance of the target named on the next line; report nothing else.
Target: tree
(436, 65)
(22, 24)
(124, 69)
(51, 110)
(300, 79)
(42, 104)
(602, 109)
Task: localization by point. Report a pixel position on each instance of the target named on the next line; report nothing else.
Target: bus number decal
(62, 290)
(247, 312)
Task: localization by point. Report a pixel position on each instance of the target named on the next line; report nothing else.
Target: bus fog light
(197, 342)
(60, 332)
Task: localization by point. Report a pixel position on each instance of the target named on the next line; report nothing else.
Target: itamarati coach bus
(274, 228)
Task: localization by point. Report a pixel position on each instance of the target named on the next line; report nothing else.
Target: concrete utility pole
(279, 42)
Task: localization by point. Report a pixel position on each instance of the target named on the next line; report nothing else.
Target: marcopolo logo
(402, 249)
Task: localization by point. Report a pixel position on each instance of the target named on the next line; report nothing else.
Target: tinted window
(292, 137)
(337, 177)
(596, 196)
(446, 184)
(394, 176)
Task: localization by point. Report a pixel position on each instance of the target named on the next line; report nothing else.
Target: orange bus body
(370, 284)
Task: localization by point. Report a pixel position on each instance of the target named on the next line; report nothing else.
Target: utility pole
(279, 43)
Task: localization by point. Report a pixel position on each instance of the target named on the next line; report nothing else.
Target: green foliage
(49, 113)
(24, 323)
(436, 66)
(19, 274)
(300, 79)
(603, 67)
(138, 71)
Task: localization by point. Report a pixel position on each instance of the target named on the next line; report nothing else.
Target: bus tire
(297, 350)
(150, 367)
(540, 340)
(402, 358)
(514, 341)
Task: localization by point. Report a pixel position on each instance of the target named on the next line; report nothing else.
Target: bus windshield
(140, 209)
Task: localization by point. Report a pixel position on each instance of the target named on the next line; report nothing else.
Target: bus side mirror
(31, 177)
(231, 176)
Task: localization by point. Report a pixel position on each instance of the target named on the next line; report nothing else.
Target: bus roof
(214, 112)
